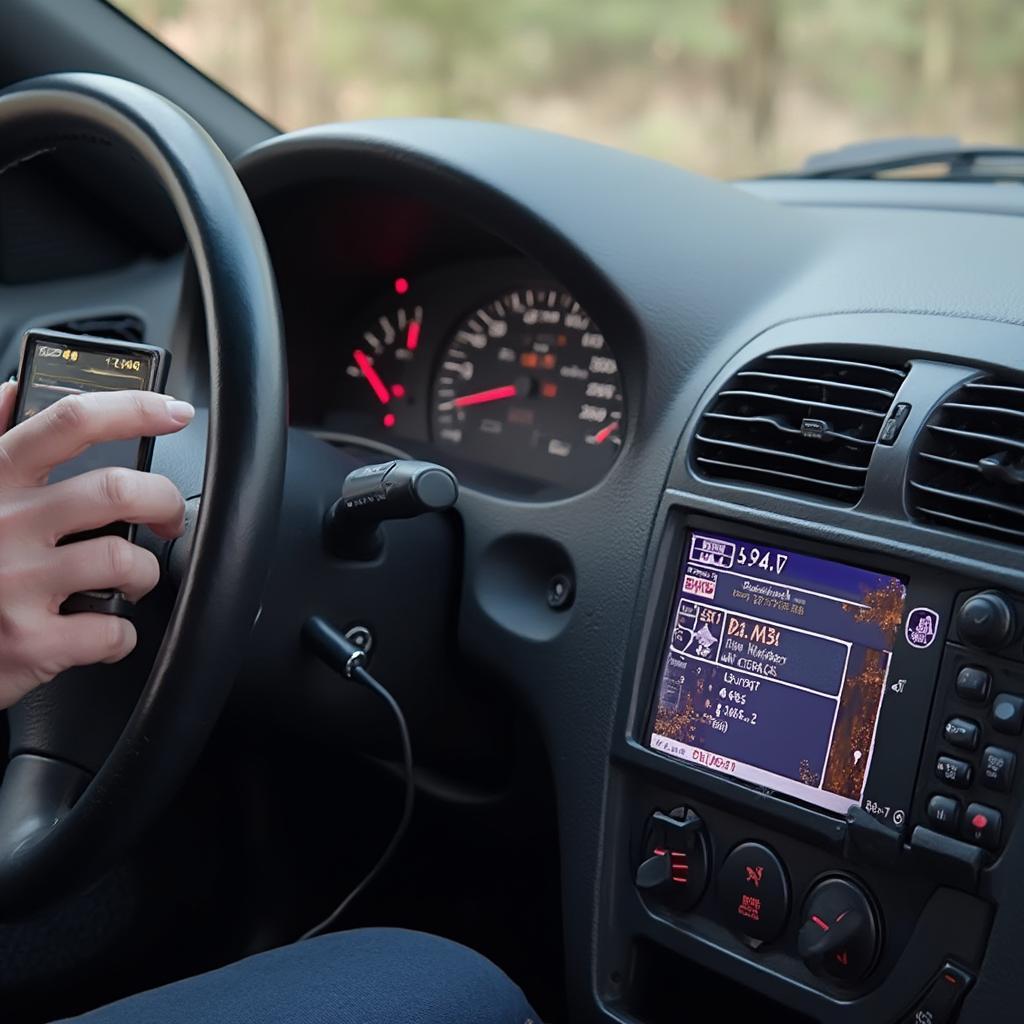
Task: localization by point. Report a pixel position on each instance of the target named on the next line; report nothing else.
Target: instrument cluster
(496, 371)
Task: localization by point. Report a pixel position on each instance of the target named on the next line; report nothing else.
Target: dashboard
(767, 438)
(785, 564)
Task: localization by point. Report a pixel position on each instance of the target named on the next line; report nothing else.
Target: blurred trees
(723, 86)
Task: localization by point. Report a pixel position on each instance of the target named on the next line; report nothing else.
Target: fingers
(86, 639)
(39, 645)
(115, 495)
(31, 449)
(8, 392)
(102, 563)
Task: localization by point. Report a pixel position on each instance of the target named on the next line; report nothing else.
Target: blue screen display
(775, 666)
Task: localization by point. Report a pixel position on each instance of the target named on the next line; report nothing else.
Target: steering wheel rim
(58, 828)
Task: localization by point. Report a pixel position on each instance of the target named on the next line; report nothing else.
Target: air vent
(120, 327)
(798, 421)
(969, 471)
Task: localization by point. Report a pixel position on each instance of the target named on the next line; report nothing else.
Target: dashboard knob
(986, 620)
(674, 871)
(839, 938)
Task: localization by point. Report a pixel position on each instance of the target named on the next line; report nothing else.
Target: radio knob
(840, 936)
(986, 620)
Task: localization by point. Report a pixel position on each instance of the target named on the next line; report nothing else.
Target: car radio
(812, 678)
(829, 743)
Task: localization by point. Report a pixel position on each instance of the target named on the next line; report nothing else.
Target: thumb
(8, 392)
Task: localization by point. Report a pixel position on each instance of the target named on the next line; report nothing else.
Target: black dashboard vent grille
(120, 327)
(968, 473)
(798, 421)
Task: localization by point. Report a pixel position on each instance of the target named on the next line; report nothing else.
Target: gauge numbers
(528, 385)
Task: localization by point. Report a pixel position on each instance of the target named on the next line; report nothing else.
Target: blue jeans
(368, 976)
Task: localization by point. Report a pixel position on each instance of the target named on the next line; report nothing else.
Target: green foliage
(727, 86)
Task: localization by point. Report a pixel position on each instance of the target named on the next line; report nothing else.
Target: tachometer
(380, 365)
(528, 385)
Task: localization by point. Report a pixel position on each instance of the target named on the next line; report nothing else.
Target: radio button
(961, 732)
(986, 620)
(972, 683)
(953, 771)
(982, 825)
(944, 812)
(1008, 713)
(753, 893)
(997, 768)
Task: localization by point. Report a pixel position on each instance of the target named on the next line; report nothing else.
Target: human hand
(36, 576)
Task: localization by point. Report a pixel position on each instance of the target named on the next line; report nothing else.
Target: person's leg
(369, 976)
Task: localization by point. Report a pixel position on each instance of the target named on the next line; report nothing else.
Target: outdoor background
(726, 87)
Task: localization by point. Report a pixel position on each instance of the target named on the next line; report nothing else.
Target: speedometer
(528, 385)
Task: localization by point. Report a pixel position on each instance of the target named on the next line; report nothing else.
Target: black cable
(339, 653)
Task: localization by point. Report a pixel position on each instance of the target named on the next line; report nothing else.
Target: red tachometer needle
(371, 375)
(412, 335)
(491, 395)
(605, 432)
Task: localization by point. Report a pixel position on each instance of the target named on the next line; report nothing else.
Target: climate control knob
(839, 938)
(986, 620)
(674, 869)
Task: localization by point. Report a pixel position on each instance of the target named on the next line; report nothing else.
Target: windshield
(730, 88)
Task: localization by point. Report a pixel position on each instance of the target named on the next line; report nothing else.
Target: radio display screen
(775, 667)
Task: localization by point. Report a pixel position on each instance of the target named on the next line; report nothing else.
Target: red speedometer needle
(490, 395)
(605, 432)
(371, 375)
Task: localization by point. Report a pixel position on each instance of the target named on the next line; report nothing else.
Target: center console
(817, 773)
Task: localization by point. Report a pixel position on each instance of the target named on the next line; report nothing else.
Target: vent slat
(974, 525)
(969, 459)
(986, 410)
(818, 382)
(1005, 389)
(997, 440)
(780, 474)
(970, 499)
(972, 467)
(872, 368)
(767, 396)
(781, 453)
(773, 423)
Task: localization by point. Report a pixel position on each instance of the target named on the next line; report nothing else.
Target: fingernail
(180, 412)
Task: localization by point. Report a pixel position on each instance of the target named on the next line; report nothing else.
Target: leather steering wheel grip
(59, 826)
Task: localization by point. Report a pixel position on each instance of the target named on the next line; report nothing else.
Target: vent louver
(968, 473)
(798, 421)
(119, 327)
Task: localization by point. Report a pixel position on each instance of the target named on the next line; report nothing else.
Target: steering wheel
(63, 822)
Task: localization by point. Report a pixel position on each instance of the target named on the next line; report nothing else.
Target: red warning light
(389, 419)
(979, 821)
(401, 285)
